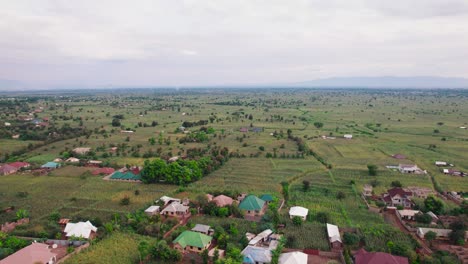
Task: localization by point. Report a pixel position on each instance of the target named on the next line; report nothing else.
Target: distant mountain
(8, 85)
(429, 82)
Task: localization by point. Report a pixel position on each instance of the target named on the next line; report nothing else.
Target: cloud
(155, 42)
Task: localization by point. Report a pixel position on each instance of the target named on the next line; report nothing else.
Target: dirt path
(181, 223)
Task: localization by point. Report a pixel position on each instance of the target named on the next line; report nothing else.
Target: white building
(80, 229)
(152, 210)
(298, 211)
(296, 257)
(441, 163)
(348, 136)
(334, 236)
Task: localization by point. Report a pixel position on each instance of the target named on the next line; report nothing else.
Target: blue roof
(51, 164)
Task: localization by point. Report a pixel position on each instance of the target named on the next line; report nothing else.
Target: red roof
(7, 169)
(364, 257)
(34, 253)
(19, 164)
(397, 190)
(103, 171)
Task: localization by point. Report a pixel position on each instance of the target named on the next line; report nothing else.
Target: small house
(34, 253)
(268, 198)
(192, 241)
(19, 164)
(441, 163)
(72, 160)
(222, 200)
(256, 255)
(58, 160)
(299, 212)
(408, 214)
(334, 236)
(253, 206)
(204, 229)
(419, 192)
(348, 136)
(81, 229)
(167, 200)
(295, 257)
(175, 209)
(367, 190)
(364, 257)
(152, 210)
(81, 151)
(398, 156)
(7, 169)
(261, 238)
(51, 165)
(408, 168)
(244, 129)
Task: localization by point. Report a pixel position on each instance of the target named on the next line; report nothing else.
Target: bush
(350, 239)
(125, 201)
(297, 221)
(423, 218)
(372, 169)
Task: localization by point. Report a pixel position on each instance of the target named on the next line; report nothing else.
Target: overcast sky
(211, 42)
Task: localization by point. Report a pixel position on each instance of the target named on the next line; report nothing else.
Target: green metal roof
(251, 203)
(267, 197)
(125, 176)
(191, 238)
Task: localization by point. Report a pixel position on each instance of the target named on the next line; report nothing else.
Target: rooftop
(191, 238)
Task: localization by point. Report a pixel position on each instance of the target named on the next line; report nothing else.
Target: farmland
(273, 137)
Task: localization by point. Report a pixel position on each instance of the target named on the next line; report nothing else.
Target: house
(256, 255)
(58, 160)
(51, 165)
(7, 169)
(222, 200)
(81, 151)
(256, 129)
(334, 236)
(152, 210)
(367, 190)
(72, 160)
(409, 168)
(7, 124)
(19, 164)
(348, 136)
(192, 241)
(125, 176)
(261, 238)
(398, 156)
(295, 257)
(175, 209)
(419, 192)
(204, 229)
(299, 212)
(441, 163)
(267, 198)
(32, 254)
(173, 159)
(81, 229)
(253, 206)
(408, 214)
(17, 136)
(244, 129)
(440, 233)
(398, 197)
(167, 200)
(364, 257)
(94, 162)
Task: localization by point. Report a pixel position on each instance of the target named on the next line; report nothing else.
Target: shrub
(125, 200)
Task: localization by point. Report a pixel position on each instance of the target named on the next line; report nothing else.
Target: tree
(340, 195)
(350, 239)
(143, 249)
(152, 140)
(434, 205)
(457, 236)
(423, 218)
(205, 256)
(318, 124)
(22, 213)
(396, 184)
(54, 216)
(116, 122)
(125, 200)
(297, 221)
(430, 236)
(372, 169)
(322, 217)
(305, 185)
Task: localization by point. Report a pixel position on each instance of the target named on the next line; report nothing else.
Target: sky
(112, 43)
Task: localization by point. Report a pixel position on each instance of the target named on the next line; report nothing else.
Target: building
(261, 238)
(268, 198)
(81, 229)
(51, 165)
(348, 136)
(19, 164)
(81, 151)
(204, 229)
(7, 169)
(256, 255)
(192, 241)
(175, 209)
(408, 214)
(367, 190)
(299, 212)
(364, 257)
(152, 210)
(419, 192)
(334, 236)
(409, 168)
(440, 233)
(398, 197)
(441, 163)
(72, 160)
(167, 200)
(398, 156)
(295, 257)
(32, 254)
(253, 206)
(222, 200)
